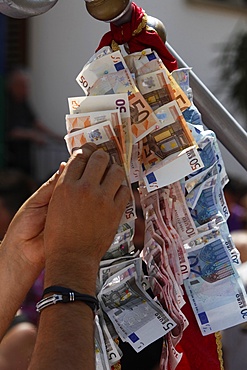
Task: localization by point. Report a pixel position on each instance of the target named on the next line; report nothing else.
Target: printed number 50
(139, 113)
(194, 164)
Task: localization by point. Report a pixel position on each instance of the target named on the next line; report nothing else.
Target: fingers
(61, 167)
(92, 167)
(43, 195)
(96, 167)
(114, 188)
(113, 179)
(77, 163)
(122, 197)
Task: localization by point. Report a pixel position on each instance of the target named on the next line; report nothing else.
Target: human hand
(24, 238)
(83, 216)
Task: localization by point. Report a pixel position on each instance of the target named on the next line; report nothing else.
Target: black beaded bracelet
(66, 295)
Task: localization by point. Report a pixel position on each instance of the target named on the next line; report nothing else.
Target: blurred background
(40, 58)
(210, 36)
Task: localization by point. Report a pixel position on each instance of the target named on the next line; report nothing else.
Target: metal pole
(229, 132)
(25, 8)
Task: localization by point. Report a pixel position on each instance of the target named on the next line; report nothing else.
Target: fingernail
(61, 168)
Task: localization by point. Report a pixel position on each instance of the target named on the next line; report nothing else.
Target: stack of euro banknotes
(144, 117)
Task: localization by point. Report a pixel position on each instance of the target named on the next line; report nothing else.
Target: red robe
(145, 39)
(199, 352)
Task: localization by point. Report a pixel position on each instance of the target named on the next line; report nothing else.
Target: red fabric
(199, 352)
(145, 39)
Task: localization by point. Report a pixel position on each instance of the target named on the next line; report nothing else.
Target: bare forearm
(79, 229)
(15, 281)
(65, 338)
(69, 324)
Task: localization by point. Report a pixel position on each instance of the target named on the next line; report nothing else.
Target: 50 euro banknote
(170, 145)
(104, 137)
(143, 62)
(100, 68)
(78, 121)
(159, 88)
(110, 75)
(143, 119)
(75, 122)
(102, 103)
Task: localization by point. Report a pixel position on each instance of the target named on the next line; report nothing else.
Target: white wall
(62, 40)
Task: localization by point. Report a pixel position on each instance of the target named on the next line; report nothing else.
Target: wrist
(13, 252)
(71, 274)
(58, 294)
(16, 280)
(10, 258)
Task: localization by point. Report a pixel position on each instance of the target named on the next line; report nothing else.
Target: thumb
(43, 195)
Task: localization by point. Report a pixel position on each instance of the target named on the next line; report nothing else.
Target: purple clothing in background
(34, 295)
(237, 218)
